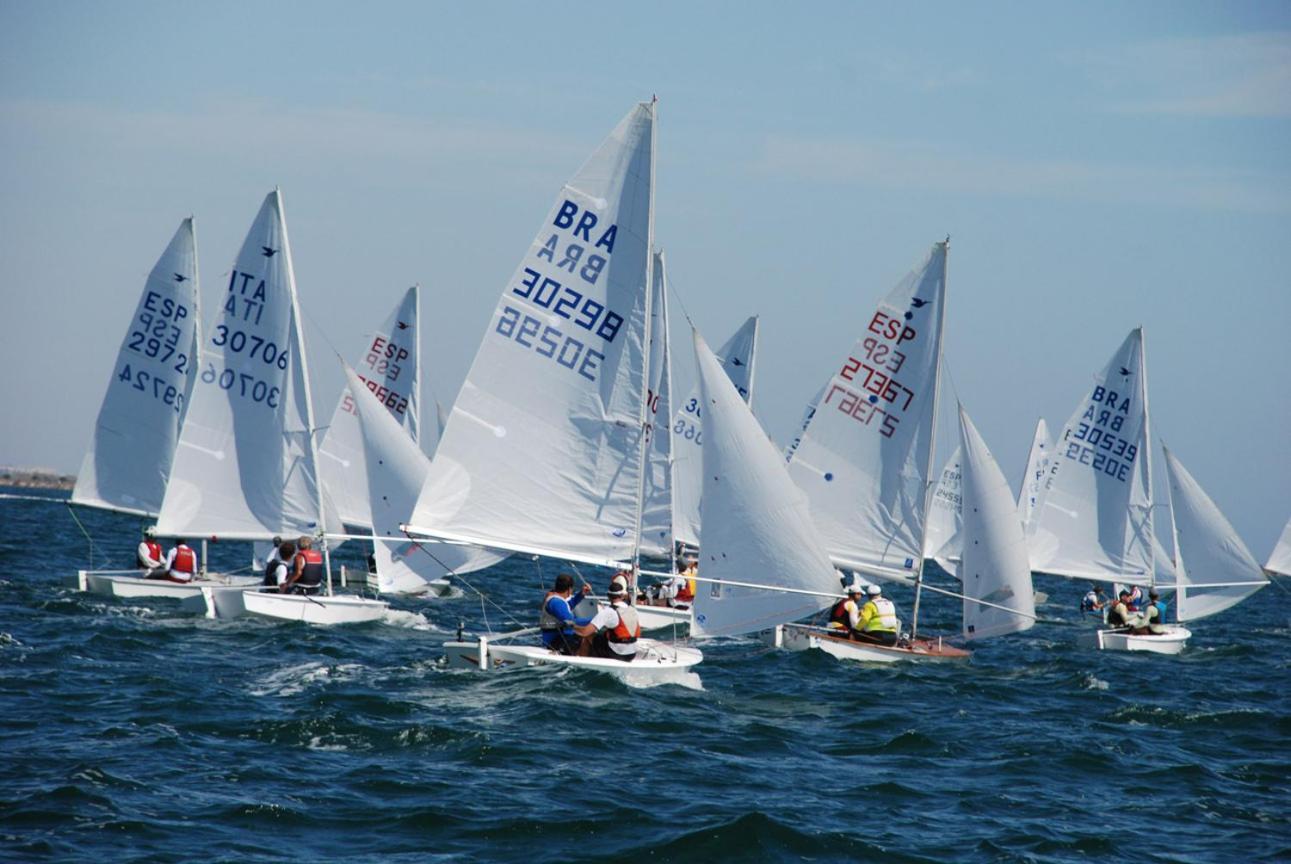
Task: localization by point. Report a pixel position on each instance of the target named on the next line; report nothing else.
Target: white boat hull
(661, 617)
(800, 637)
(219, 601)
(1170, 642)
(336, 609)
(653, 658)
(128, 583)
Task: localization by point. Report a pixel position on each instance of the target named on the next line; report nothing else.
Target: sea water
(130, 731)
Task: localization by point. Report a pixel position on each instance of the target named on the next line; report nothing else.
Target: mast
(416, 329)
(753, 358)
(929, 485)
(645, 358)
(1147, 466)
(299, 337)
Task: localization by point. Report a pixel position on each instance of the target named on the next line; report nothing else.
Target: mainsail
(657, 505)
(1214, 568)
(758, 528)
(863, 459)
(246, 463)
(737, 356)
(1280, 558)
(396, 469)
(543, 450)
(129, 460)
(1094, 518)
(1033, 477)
(995, 568)
(389, 365)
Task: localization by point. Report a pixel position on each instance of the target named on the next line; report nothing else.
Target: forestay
(1095, 514)
(1209, 554)
(129, 460)
(1033, 477)
(657, 509)
(246, 464)
(389, 366)
(863, 459)
(945, 516)
(543, 448)
(1280, 558)
(737, 356)
(994, 568)
(758, 528)
(396, 469)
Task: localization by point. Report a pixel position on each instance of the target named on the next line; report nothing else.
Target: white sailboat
(1280, 558)
(545, 449)
(130, 458)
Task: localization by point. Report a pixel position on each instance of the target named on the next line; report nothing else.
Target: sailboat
(246, 467)
(130, 459)
(1280, 558)
(545, 449)
(1095, 520)
(389, 367)
(1033, 477)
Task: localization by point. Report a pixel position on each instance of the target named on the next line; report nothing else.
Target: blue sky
(1097, 165)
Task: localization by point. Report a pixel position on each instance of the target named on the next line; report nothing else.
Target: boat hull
(219, 601)
(128, 583)
(654, 658)
(800, 637)
(1170, 642)
(661, 617)
(314, 610)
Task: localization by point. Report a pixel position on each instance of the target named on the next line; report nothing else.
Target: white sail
(758, 528)
(388, 365)
(737, 356)
(543, 450)
(863, 458)
(1215, 569)
(995, 568)
(246, 463)
(1280, 558)
(807, 414)
(946, 516)
(396, 469)
(129, 460)
(1034, 475)
(1094, 519)
(656, 512)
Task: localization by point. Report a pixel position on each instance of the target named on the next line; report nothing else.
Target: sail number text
(158, 332)
(1094, 441)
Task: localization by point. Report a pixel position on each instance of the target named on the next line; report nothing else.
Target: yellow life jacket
(879, 616)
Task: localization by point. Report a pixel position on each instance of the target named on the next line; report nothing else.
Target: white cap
(856, 588)
(874, 590)
(618, 585)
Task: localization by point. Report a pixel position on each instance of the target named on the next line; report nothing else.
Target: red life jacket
(839, 614)
(154, 550)
(312, 573)
(626, 631)
(185, 560)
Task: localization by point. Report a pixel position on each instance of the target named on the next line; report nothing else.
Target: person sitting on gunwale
(614, 630)
(879, 622)
(180, 566)
(275, 572)
(307, 570)
(845, 617)
(149, 555)
(1120, 614)
(556, 617)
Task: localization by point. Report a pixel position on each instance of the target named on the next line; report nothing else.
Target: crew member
(149, 555)
(307, 570)
(180, 566)
(556, 617)
(1094, 601)
(1120, 615)
(686, 591)
(1135, 599)
(878, 622)
(846, 614)
(276, 571)
(1152, 619)
(614, 629)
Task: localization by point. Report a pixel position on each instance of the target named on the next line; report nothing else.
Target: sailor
(275, 572)
(1136, 598)
(878, 622)
(1120, 615)
(1094, 601)
(677, 590)
(307, 570)
(1152, 618)
(149, 555)
(846, 614)
(686, 592)
(556, 617)
(272, 560)
(614, 629)
(181, 564)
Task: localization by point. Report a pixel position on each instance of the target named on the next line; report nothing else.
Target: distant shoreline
(35, 478)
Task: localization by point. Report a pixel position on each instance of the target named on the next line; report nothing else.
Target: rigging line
(90, 539)
(483, 597)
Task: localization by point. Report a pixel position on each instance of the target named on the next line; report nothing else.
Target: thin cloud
(932, 168)
(1247, 75)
